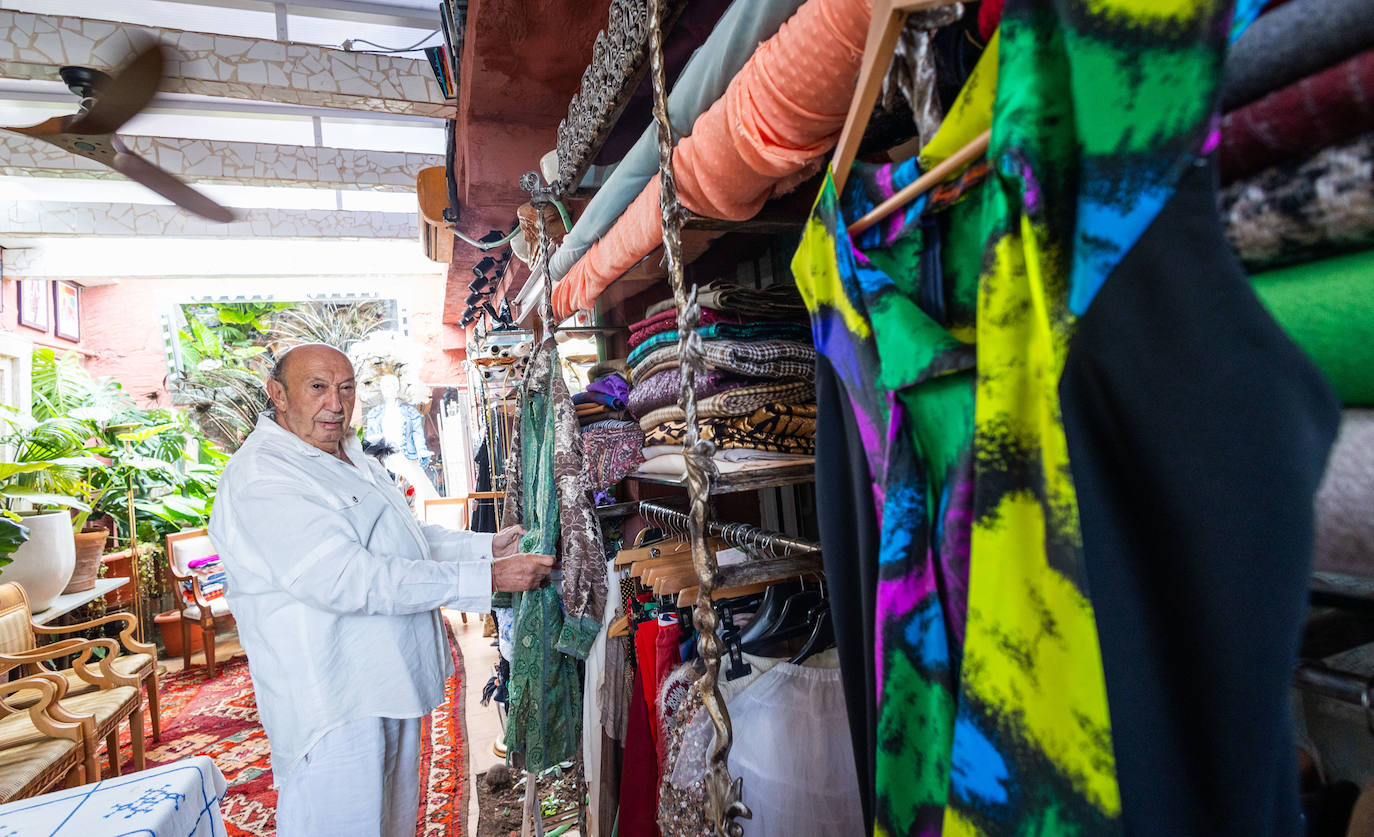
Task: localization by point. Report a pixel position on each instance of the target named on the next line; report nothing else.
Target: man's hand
(519, 573)
(506, 542)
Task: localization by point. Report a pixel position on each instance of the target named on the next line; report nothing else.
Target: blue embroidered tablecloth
(180, 799)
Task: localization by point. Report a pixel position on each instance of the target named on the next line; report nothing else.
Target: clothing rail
(737, 534)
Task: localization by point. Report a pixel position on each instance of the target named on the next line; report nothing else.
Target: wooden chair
(37, 748)
(116, 697)
(194, 606)
(127, 662)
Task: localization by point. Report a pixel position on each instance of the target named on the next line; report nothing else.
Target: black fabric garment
(484, 511)
(1197, 435)
(849, 546)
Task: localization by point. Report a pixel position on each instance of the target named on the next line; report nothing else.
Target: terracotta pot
(89, 546)
(169, 628)
(44, 564)
(118, 565)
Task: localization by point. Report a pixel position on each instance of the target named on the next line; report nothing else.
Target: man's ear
(276, 392)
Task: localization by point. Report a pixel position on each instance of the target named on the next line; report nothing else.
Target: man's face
(316, 401)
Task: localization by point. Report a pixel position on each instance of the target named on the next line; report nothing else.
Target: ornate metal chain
(723, 796)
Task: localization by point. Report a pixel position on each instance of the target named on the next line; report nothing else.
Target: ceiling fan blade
(141, 171)
(46, 128)
(126, 93)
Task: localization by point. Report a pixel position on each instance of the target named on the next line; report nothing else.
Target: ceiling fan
(107, 102)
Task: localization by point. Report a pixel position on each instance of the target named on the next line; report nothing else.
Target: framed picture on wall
(33, 303)
(67, 310)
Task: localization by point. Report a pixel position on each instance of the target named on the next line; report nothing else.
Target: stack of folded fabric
(757, 399)
(611, 442)
(1296, 156)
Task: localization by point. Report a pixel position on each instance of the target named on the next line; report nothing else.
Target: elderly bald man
(336, 590)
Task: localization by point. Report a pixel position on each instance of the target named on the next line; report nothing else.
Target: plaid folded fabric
(780, 302)
(663, 389)
(667, 321)
(612, 451)
(760, 359)
(727, 331)
(740, 401)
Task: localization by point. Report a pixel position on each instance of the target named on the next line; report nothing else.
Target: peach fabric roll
(784, 109)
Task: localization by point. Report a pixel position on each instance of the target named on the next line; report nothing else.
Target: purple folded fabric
(610, 391)
(662, 389)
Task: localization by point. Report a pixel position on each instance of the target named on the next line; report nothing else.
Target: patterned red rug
(219, 718)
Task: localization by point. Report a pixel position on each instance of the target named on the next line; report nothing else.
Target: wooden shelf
(753, 479)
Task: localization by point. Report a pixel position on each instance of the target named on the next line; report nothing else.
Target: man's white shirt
(336, 588)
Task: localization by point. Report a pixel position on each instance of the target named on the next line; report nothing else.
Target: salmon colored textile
(785, 108)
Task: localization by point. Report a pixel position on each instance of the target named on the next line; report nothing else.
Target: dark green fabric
(1327, 307)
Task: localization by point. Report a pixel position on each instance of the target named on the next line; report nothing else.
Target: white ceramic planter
(44, 564)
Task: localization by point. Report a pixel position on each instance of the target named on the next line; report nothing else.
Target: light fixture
(487, 263)
(474, 298)
(479, 284)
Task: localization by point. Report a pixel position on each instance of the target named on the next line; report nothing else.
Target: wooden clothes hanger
(889, 16)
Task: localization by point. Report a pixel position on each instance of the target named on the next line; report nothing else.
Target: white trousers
(360, 780)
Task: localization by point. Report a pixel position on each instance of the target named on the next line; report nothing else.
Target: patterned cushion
(25, 753)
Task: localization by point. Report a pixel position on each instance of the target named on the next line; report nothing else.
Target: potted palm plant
(40, 486)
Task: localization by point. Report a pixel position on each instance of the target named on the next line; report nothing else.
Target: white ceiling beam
(27, 219)
(56, 93)
(217, 161)
(412, 16)
(33, 47)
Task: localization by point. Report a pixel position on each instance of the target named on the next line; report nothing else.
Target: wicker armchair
(38, 749)
(196, 608)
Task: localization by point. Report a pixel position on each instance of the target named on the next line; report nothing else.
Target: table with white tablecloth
(180, 799)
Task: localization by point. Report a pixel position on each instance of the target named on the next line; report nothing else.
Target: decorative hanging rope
(723, 796)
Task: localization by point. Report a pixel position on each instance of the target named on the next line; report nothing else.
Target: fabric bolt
(776, 302)
(1300, 211)
(612, 453)
(761, 359)
(363, 778)
(674, 465)
(1325, 307)
(740, 401)
(1286, 44)
(849, 548)
(704, 78)
(722, 331)
(664, 388)
(667, 321)
(1195, 494)
(332, 549)
(784, 428)
(1345, 528)
(1311, 113)
(783, 109)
